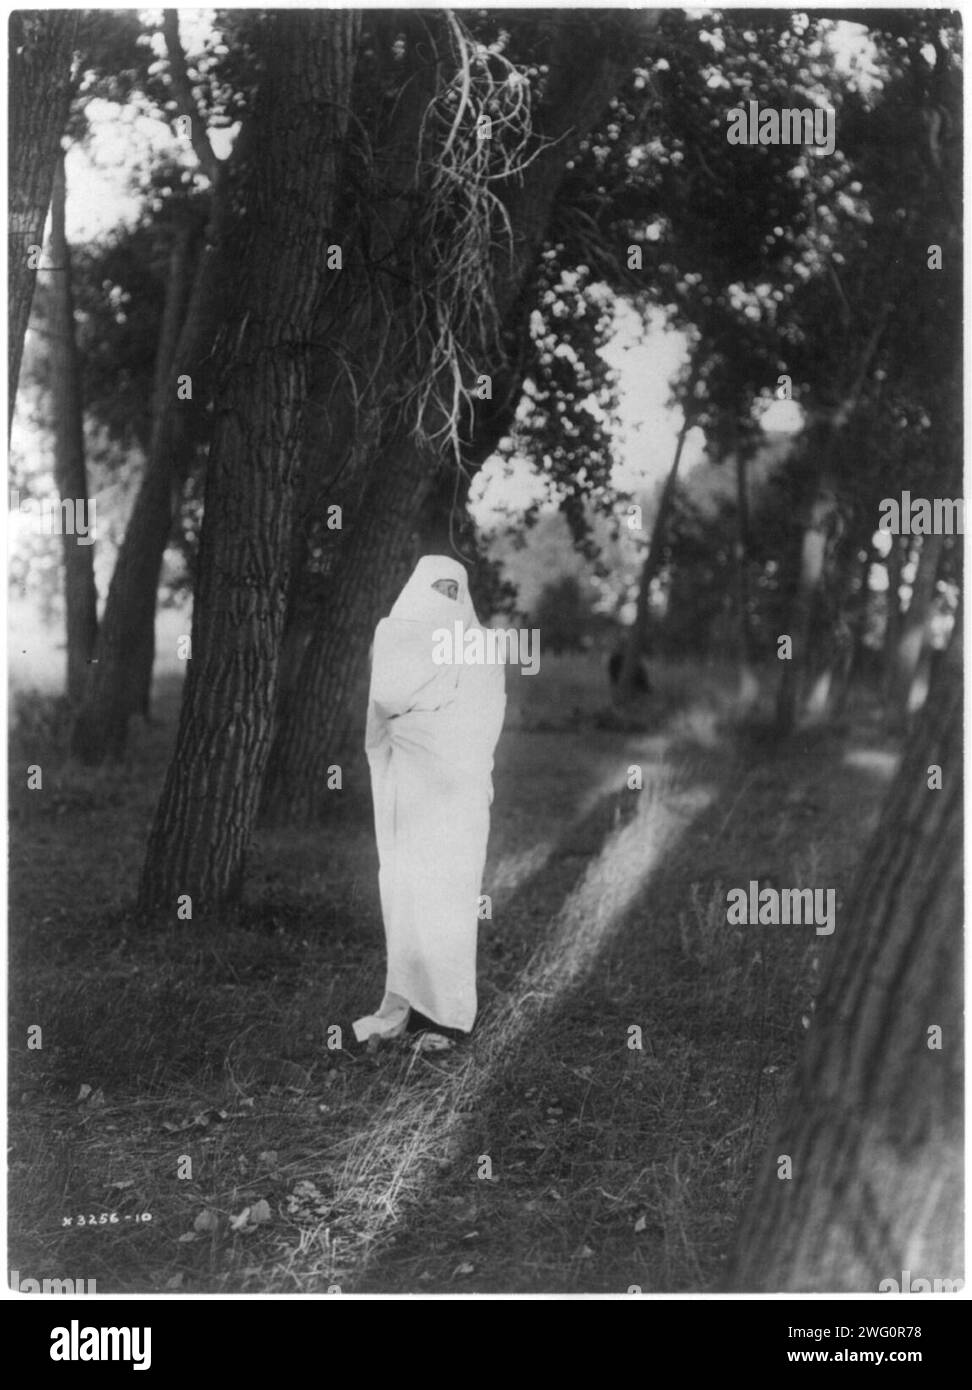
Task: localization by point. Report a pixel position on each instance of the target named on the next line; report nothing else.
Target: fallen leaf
(269, 1156)
(260, 1212)
(125, 1182)
(186, 1237)
(84, 1092)
(175, 1282)
(464, 1268)
(238, 1222)
(206, 1220)
(641, 1223)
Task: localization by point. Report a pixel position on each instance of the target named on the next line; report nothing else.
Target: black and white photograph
(485, 685)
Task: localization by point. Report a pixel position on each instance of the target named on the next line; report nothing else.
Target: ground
(192, 1120)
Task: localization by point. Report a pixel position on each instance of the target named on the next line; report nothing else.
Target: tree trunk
(80, 596)
(122, 680)
(330, 653)
(832, 634)
(851, 656)
(209, 801)
(118, 687)
(813, 551)
(41, 44)
(820, 516)
(638, 635)
(913, 640)
(315, 713)
(874, 1126)
(748, 684)
(894, 563)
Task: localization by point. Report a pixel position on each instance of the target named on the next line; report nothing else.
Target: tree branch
(184, 100)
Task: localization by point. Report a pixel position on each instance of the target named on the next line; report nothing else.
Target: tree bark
(847, 661)
(314, 715)
(121, 676)
(914, 636)
(278, 244)
(638, 636)
(121, 680)
(894, 564)
(821, 514)
(748, 684)
(41, 45)
(874, 1126)
(313, 720)
(80, 596)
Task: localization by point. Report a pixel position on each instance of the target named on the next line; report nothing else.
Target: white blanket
(430, 740)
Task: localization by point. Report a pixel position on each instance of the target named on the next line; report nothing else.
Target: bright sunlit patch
(514, 869)
(388, 1166)
(872, 760)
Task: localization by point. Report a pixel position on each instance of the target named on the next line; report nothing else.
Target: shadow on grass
(610, 1164)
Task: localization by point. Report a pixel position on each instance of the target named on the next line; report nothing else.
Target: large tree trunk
(278, 243)
(874, 1125)
(118, 687)
(330, 658)
(314, 714)
(41, 44)
(80, 596)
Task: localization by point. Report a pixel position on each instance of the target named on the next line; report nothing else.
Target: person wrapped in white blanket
(431, 732)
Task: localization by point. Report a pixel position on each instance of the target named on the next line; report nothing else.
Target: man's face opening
(448, 587)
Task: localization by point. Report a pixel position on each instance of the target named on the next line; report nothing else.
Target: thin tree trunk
(832, 633)
(873, 1129)
(914, 636)
(80, 596)
(638, 635)
(210, 798)
(820, 515)
(813, 551)
(748, 684)
(894, 563)
(118, 686)
(41, 45)
(122, 677)
(850, 663)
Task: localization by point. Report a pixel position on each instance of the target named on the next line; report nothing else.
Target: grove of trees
(303, 352)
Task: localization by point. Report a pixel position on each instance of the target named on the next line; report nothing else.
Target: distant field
(36, 648)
